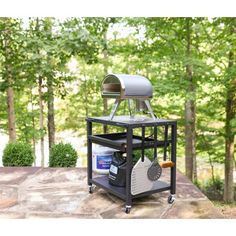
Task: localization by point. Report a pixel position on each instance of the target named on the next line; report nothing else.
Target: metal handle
(143, 140)
(155, 142)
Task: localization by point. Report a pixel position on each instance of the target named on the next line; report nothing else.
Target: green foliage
(62, 155)
(12, 51)
(153, 47)
(138, 154)
(197, 183)
(18, 154)
(213, 188)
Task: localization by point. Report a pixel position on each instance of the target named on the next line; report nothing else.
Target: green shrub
(197, 183)
(62, 155)
(214, 189)
(18, 154)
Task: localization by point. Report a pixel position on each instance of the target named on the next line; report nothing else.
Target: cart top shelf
(127, 121)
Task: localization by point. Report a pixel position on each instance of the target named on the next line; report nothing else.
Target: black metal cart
(127, 142)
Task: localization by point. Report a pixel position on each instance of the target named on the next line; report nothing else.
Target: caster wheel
(127, 209)
(90, 189)
(171, 199)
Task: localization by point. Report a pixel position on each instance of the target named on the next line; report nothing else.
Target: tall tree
(40, 93)
(33, 124)
(175, 51)
(190, 109)
(223, 53)
(230, 110)
(50, 90)
(105, 67)
(35, 71)
(41, 119)
(73, 39)
(9, 50)
(51, 120)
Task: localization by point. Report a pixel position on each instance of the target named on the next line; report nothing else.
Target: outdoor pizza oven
(128, 87)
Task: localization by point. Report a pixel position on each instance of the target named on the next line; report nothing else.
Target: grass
(221, 204)
(227, 209)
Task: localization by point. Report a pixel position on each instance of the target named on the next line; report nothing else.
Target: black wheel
(90, 189)
(171, 199)
(127, 210)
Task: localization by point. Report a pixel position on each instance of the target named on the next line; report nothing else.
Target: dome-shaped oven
(126, 86)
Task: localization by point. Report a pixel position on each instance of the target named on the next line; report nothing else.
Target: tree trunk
(229, 136)
(10, 92)
(33, 125)
(51, 122)
(212, 169)
(41, 121)
(11, 111)
(86, 97)
(41, 108)
(190, 115)
(50, 92)
(105, 67)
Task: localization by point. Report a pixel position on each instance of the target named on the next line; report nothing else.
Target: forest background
(51, 71)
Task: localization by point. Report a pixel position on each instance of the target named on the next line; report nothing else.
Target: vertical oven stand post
(171, 198)
(89, 156)
(129, 169)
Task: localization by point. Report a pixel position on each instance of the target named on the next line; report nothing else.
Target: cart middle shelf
(119, 141)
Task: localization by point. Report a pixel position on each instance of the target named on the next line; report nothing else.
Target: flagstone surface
(33, 192)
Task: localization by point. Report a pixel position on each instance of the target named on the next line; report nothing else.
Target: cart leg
(129, 169)
(91, 189)
(127, 209)
(171, 198)
(89, 154)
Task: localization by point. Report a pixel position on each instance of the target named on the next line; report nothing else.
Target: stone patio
(63, 193)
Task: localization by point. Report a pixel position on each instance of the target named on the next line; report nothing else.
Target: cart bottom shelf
(102, 181)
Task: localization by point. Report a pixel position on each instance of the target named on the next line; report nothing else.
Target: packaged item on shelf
(102, 158)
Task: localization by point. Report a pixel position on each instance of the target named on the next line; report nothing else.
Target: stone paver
(63, 193)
